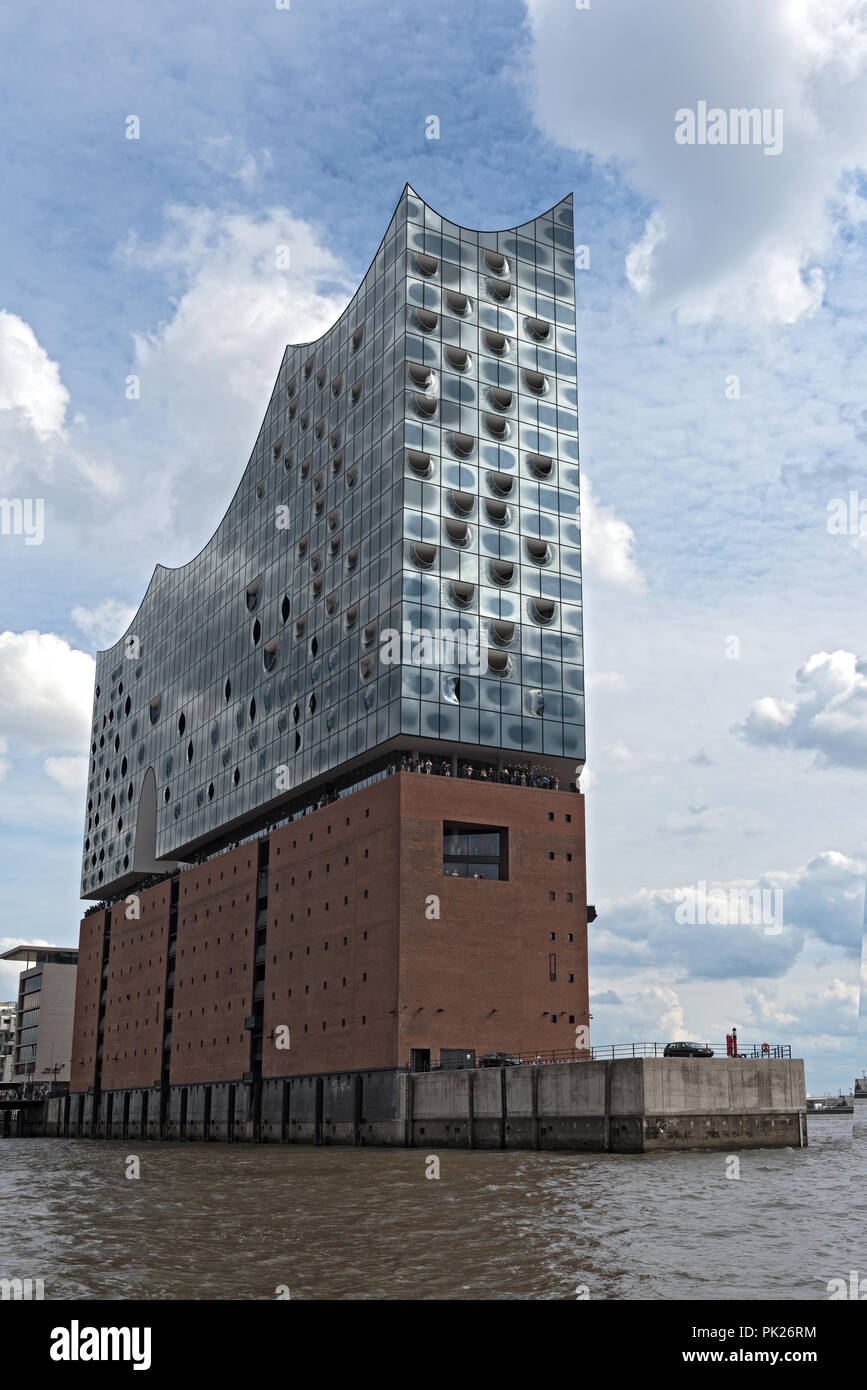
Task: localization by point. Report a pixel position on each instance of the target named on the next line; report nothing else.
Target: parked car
(499, 1059)
(686, 1049)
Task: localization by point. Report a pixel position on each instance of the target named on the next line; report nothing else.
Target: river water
(215, 1221)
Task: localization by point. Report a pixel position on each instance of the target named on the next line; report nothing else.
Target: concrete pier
(631, 1105)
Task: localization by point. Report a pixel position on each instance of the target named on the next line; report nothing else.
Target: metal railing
(32, 1091)
(613, 1051)
(645, 1049)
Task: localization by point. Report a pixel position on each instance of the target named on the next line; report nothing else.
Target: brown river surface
(222, 1221)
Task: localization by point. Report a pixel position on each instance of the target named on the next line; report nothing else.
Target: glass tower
(399, 569)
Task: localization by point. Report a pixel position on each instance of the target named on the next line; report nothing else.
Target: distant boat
(861, 1088)
(831, 1105)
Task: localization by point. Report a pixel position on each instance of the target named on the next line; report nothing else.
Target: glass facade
(416, 473)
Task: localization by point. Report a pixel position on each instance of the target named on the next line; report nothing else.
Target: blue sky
(705, 512)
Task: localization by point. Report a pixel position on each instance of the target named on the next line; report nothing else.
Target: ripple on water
(231, 1222)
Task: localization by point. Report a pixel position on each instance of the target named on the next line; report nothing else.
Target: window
(475, 851)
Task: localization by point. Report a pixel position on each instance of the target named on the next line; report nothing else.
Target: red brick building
(419, 916)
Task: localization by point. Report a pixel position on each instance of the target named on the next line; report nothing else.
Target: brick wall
(333, 913)
(136, 985)
(214, 968)
(87, 991)
(478, 976)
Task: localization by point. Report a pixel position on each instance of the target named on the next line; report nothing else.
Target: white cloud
(606, 680)
(813, 1011)
(68, 773)
(243, 287)
(821, 902)
(700, 820)
(670, 1021)
(607, 543)
(731, 231)
(105, 623)
(620, 753)
(37, 442)
(828, 715)
(237, 308)
(46, 691)
(4, 761)
(226, 155)
(29, 380)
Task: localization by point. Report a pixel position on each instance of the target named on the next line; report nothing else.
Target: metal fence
(636, 1049)
(645, 1049)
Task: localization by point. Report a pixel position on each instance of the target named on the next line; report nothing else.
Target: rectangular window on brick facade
(475, 851)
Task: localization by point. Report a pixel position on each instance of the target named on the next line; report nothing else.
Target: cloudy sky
(723, 397)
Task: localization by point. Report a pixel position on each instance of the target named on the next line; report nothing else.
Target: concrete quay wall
(631, 1105)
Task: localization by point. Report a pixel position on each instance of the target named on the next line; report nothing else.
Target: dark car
(687, 1049)
(499, 1059)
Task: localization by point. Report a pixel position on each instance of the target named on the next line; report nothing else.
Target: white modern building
(8, 1013)
(44, 1014)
